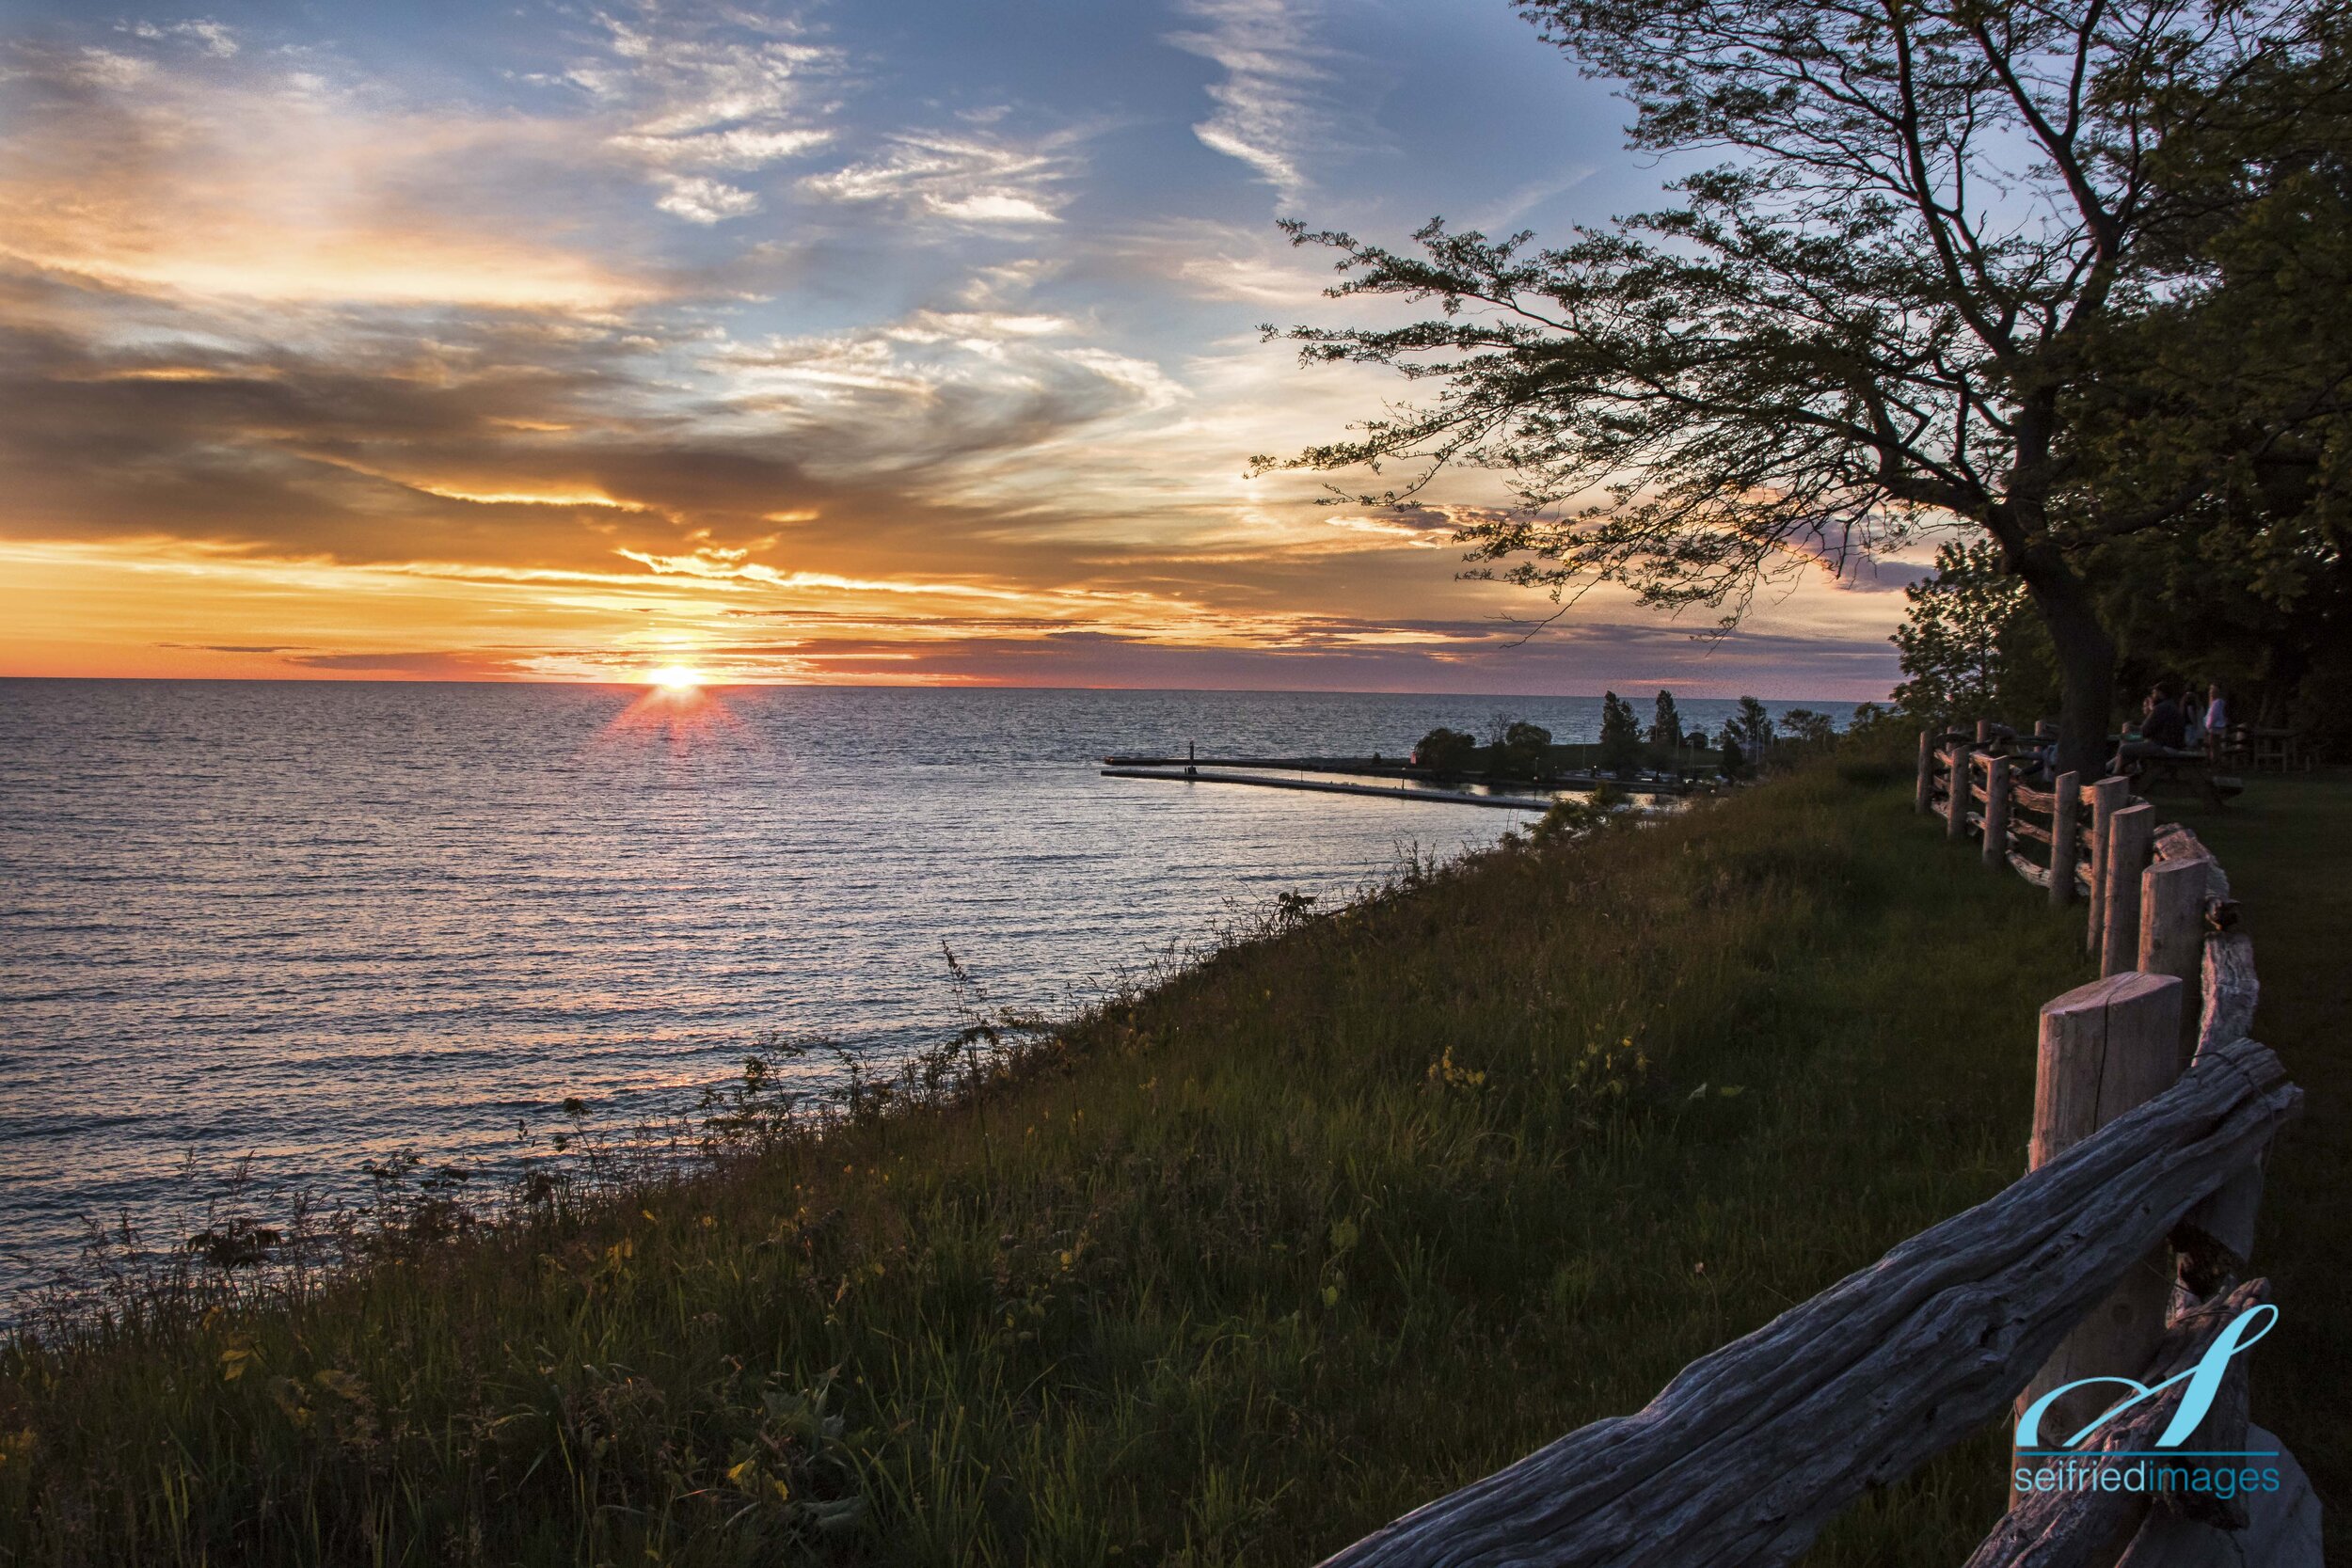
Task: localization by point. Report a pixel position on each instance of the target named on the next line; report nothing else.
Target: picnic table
(2181, 765)
(2268, 746)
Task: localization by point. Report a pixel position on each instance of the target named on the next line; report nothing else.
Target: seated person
(2163, 730)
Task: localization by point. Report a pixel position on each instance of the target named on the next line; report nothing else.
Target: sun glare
(674, 701)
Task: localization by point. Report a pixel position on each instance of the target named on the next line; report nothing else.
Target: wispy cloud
(1518, 203)
(942, 388)
(963, 179)
(703, 68)
(1420, 537)
(699, 198)
(738, 148)
(203, 33)
(705, 91)
(261, 181)
(1268, 112)
(421, 664)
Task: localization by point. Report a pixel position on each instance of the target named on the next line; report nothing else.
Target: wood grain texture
(2131, 836)
(2172, 933)
(2215, 1239)
(1996, 814)
(2230, 989)
(1743, 1457)
(2177, 843)
(2107, 797)
(2105, 1047)
(2065, 831)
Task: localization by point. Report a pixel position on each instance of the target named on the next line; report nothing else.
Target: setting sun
(675, 677)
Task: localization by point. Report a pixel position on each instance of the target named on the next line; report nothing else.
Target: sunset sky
(829, 342)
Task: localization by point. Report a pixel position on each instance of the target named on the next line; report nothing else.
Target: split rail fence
(2121, 1252)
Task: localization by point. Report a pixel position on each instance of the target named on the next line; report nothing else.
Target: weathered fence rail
(2124, 1251)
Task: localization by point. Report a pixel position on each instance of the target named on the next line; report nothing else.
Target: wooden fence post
(1996, 815)
(2173, 934)
(2217, 1235)
(2131, 834)
(2105, 1047)
(1984, 732)
(1925, 795)
(2065, 809)
(1956, 803)
(2107, 798)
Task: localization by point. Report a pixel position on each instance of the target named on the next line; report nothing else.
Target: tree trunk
(2086, 654)
(2085, 660)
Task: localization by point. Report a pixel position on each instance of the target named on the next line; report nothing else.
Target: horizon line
(901, 686)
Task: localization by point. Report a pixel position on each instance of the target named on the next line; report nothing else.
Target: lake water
(317, 922)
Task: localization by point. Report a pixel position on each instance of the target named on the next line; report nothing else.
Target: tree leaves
(1878, 316)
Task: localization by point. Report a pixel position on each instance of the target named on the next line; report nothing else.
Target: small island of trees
(1519, 751)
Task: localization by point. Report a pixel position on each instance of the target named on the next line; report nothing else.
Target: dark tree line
(1516, 749)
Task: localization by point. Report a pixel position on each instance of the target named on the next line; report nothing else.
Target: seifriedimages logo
(2169, 1465)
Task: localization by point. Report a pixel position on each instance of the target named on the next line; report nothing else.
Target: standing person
(2216, 722)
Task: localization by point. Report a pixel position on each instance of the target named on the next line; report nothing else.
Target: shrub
(1445, 751)
(1809, 730)
(1524, 752)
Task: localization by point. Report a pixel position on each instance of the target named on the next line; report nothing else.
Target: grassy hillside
(1234, 1272)
(2287, 843)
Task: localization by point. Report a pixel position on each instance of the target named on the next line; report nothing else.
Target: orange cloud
(280, 189)
(307, 377)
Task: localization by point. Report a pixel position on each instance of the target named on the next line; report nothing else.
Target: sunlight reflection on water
(316, 922)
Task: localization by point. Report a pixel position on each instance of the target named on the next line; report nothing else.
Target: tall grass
(1232, 1270)
(2290, 861)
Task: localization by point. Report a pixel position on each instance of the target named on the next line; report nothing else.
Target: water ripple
(312, 922)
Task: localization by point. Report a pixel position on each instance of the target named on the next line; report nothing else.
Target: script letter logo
(2203, 1380)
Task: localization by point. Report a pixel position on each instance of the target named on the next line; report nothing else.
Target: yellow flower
(236, 1357)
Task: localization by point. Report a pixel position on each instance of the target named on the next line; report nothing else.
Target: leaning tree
(1875, 316)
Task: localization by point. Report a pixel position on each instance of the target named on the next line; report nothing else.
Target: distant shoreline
(1682, 690)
